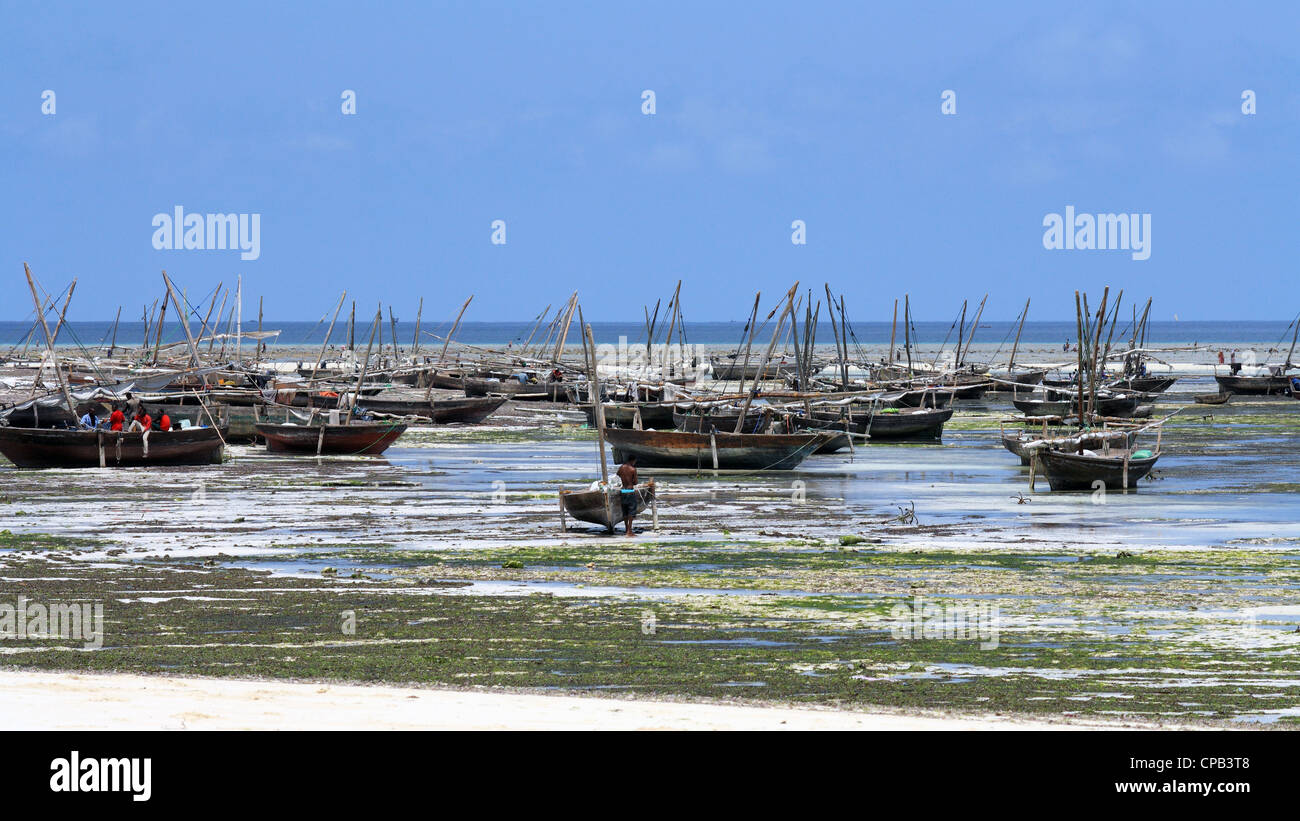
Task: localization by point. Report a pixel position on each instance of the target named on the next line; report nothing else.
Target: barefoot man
(627, 475)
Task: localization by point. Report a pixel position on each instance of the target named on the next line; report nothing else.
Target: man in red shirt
(142, 421)
(117, 419)
(164, 421)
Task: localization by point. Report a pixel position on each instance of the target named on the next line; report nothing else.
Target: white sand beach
(76, 701)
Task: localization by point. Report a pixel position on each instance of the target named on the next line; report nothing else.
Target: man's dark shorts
(628, 498)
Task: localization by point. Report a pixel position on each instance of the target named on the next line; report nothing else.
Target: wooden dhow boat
(884, 423)
(1018, 441)
(658, 415)
(56, 448)
(721, 419)
(354, 438)
(1275, 384)
(468, 411)
(1116, 468)
(1122, 405)
(717, 451)
(514, 389)
(1144, 384)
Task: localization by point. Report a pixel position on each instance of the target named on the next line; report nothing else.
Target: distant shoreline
(298, 333)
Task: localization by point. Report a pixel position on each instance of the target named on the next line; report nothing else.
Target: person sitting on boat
(142, 421)
(627, 495)
(116, 419)
(90, 419)
(164, 421)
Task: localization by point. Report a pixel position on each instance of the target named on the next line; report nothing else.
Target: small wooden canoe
(1117, 470)
(357, 438)
(604, 507)
(1212, 398)
(52, 448)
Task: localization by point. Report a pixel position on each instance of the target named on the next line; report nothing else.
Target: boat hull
(617, 415)
(467, 411)
(1075, 471)
(736, 451)
(603, 507)
(523, 391)
(358, 438)
(1255, 385)
(50, 448)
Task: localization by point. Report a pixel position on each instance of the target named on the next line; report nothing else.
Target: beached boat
(237, 422)
(604, 507)
(1016, 382)
(884, 423)
(357, 438)
(1220, 398)
(733, 451)
(53, 448)
(1118, 469)
(468, 411)
(514, 389)
(920, 398)
(1272, 385)
(1116, 406)
(1017, 441)
(834, 436)
(658, 415)
(727, 369)
(721, 419)
(1144, 384)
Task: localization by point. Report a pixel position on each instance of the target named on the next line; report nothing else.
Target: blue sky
(765, 113)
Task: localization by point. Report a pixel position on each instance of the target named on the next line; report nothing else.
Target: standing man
(627, 496)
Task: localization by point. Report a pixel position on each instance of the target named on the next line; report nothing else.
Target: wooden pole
(893, 330)
(1078, 320)
(771, 346)
(258, 359)
(749, 340)
(162, 314)
(415, 342)
(1011, 364)
(361, 377)
(443, 353)
(213, 340)
(907, 331)
(112, 346)
(49, 345)
(328, 334)
(598, 407)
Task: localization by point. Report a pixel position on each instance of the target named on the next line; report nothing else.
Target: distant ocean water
(299, 333)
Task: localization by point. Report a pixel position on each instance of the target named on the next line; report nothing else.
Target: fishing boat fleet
(773, 402)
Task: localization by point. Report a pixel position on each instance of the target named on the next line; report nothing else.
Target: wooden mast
(771, 346)
(49, 344)
(361, 377)
(328, 334)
